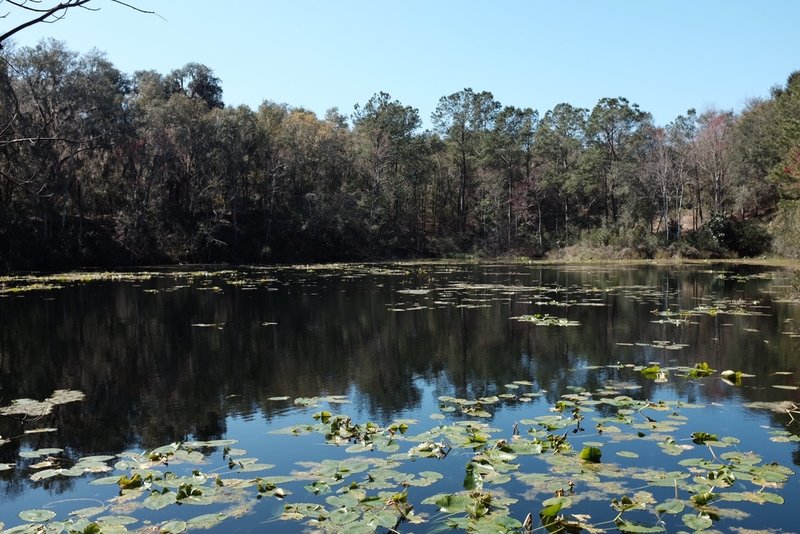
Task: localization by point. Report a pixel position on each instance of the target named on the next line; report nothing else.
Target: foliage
(786, 229)
(378, 482)
(700, 243)
(745, 238)
(100, 167)
(636, 241)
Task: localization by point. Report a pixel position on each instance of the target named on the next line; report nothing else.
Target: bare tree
(42, 11)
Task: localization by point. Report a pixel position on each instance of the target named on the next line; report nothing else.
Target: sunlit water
(202, 355)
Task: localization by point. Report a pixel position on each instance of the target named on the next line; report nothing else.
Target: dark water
(180, 356)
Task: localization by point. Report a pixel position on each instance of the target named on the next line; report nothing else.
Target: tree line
(98, 167)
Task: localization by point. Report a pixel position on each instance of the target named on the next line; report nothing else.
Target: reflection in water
(178, 355)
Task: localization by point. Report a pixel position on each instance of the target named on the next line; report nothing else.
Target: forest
(102, 168)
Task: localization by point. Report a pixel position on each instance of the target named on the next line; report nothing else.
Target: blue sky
(667, 56)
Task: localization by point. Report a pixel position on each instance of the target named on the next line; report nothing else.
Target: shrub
(742, 237)
(636, 240)
(786, 229)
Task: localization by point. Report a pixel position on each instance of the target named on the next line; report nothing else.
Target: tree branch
(45, 14)
(140, 10)
(24, 5)
(57, 12)
(34, 140)
(24, 185)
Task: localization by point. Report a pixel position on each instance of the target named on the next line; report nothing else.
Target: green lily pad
(157, 501)
(40, 452)
(117, 520)
(697, 522)
(552, 507)
(638, 528)
(671, 506)
(37, 516)
(173, 527)
(210, 443)
(206, 521)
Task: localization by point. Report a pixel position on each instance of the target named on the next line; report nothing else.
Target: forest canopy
(100, 167)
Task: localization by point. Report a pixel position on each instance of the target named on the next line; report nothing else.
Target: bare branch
(23, 5)
(9, 125)
(34, 140)
(45, 14)
(140, 10)
(56, 13)
(24, 184)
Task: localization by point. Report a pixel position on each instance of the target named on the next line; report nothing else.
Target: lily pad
(37, 516)
(697, 522)
(206, 521)
(671, 506)
(40, 452)
(173, 527)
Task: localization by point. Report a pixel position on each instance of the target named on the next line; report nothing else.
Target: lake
(590, 397)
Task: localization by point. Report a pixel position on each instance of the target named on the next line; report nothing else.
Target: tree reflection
(152, 378)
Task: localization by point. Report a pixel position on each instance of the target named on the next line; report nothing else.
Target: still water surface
(173, 355)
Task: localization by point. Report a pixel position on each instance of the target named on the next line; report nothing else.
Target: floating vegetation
(30, 408)
(29, 283)
(34, 283)
(25, 288)
(78, 277)
(676, 318)
(316, 401)
(703, 369)
(573, 455)
(768, 275)
(545, 320)
(595, 459)
(414, 291)
(349, 269)
(734, 378)
(484, 295)
(214, 289)
(728, 307)
(658, 344)
(718, 307)
(651, 371)
(410, 308)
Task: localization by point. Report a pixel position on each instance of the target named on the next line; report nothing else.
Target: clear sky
(665, 55)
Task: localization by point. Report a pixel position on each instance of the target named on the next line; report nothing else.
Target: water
(171, 355)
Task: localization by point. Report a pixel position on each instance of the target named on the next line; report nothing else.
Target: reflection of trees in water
(152, 378)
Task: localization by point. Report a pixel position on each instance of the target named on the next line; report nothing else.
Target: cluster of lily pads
(252, 278)
(572, 469)
(482, 295)
(13, 284)
(539, 319)
(550, 471)
(471, 295)
(660, 374)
